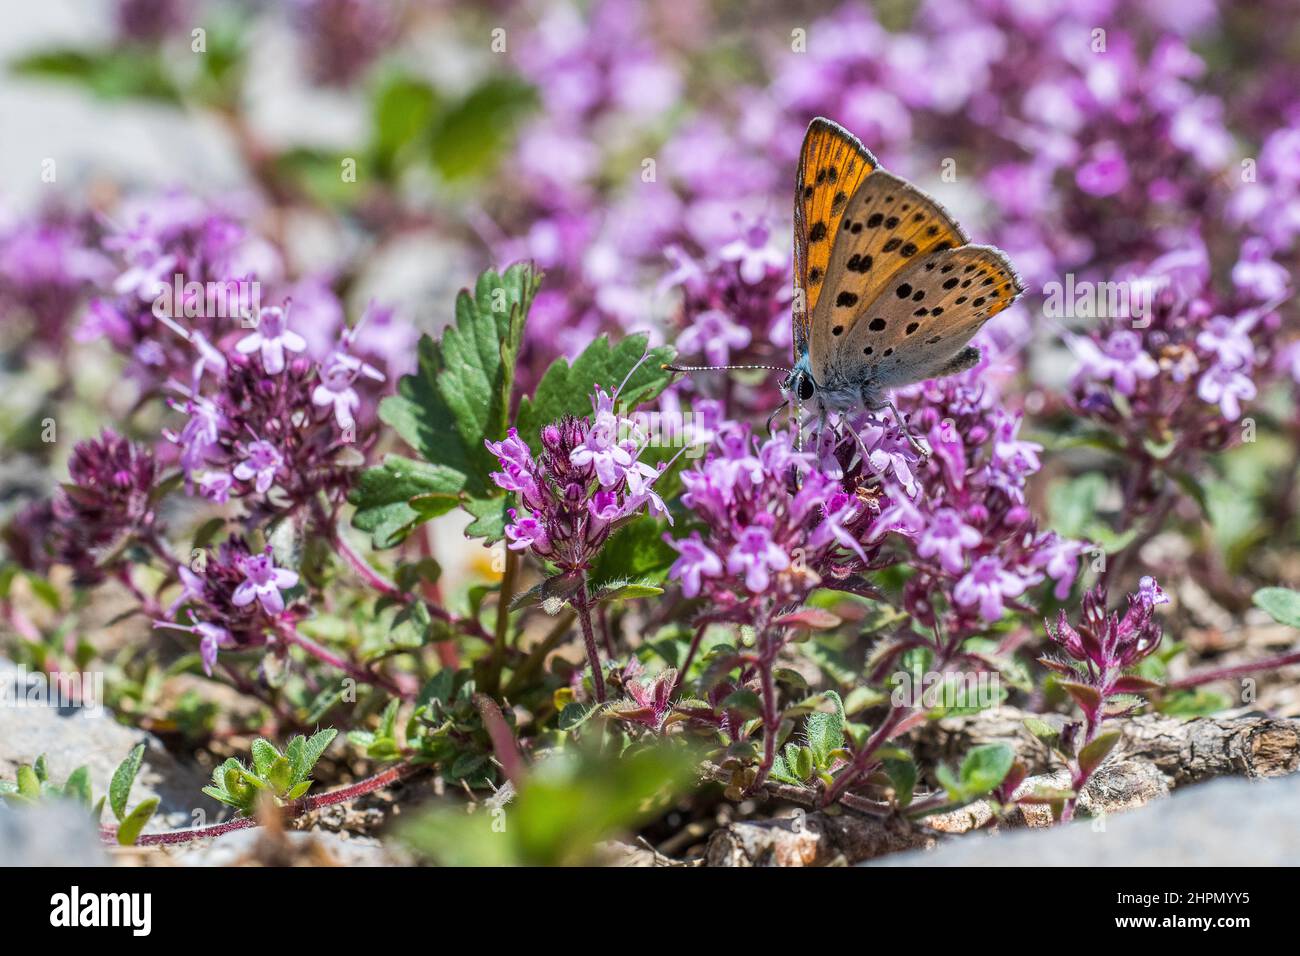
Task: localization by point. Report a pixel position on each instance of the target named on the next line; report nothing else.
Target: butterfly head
(800, 381)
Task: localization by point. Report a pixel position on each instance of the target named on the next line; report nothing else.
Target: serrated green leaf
(401, 494)
(312, 751)
(123, 777)
(567, 389)
(129, 829)
(490, 518)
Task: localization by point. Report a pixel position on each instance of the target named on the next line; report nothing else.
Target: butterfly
(888, 290)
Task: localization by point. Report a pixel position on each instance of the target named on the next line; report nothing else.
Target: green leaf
(984, 768)
(129, 829)
(1088, 698)
(469, 136)
(312, 750)
(42, 770)
(1282, 604)
(264, 756)
(626, 592)
(115, 73)
(566, 389)
(478, 354)
(802, 761)
(1041, 729)
(402, 115)
(459, 397)
(635, 552)
(825, 734)
(77, 785)
(745, 702)
(29, 785)
(394, 498)
(280, 775)
(490, 518)
(123, 778)
(1073, 504)
(902, 774)
(1091, 756)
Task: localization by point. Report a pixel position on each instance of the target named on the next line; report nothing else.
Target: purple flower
(261, 462)
(1059, 558)
(1105, 173)
(272, 338)
(1121, 360)
(1229, 340)
(1226, 386)
(713, 335)
(106, 500)
(263, 582)
(216, 486)
(986, 585)
(756, 254)
(527, 532)
(601, 447)
(949, 538)
(696, 562)
(211, 638)
(755, 556)
(1257, 274)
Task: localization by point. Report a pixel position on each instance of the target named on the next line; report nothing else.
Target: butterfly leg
(917, 445)
(776, 411)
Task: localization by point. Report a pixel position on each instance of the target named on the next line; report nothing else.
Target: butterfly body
(888, 288)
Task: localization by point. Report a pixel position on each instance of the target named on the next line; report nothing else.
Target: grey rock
(72, 736)
(295, 847)
(1220, 823)
(54, 833)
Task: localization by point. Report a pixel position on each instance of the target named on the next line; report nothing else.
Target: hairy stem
(289, 811)
(1211, 674)
(583, 607)
(325, 655)
(501, 631)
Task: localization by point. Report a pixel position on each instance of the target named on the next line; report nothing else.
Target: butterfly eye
(805, 388)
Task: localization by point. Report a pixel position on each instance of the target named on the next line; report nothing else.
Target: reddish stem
(325, 655)
(289, 811)
(1211, 674)
(583, 607)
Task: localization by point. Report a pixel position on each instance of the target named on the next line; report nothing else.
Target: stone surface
(72, 736)
(56, 833)
(1220, 823)
(259, 847)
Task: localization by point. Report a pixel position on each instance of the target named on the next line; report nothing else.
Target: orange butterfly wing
(832, 165)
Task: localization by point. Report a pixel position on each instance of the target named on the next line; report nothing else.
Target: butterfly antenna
(723, 368)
